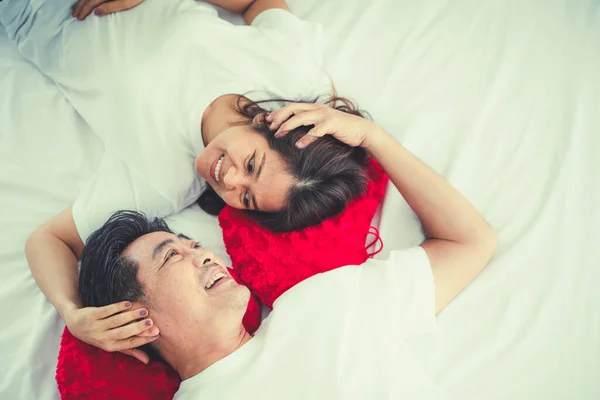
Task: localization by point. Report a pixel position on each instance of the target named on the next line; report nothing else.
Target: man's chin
(240, 297)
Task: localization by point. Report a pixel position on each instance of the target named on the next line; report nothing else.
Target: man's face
(186, 287)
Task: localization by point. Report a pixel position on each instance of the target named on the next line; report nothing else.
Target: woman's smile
(217, 170)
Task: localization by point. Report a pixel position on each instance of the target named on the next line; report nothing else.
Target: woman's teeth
(218, 167)
(215, 278)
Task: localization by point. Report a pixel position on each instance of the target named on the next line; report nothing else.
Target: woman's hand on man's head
(83, 8)
(350, 129)
(117, 327)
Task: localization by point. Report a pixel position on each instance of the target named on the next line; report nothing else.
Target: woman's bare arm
(52, 252)
(249, 9)
(459, 242)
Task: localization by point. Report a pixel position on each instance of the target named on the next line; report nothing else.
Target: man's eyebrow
(160, 247)
(182, 236)
(262, 163)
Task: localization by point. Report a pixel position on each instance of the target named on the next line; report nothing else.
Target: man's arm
(249, 9)
(459, 242)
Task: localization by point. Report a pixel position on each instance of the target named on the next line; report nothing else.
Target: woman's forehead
(271, 189)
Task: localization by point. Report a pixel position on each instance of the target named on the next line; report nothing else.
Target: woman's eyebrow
(262, 163)
(260, 168)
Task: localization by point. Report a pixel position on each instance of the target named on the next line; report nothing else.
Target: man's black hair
(106, 277)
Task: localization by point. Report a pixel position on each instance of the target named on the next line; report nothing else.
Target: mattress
(501, 97)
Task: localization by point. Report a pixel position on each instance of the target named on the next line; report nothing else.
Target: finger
(76, 7)
(305, 118)
(137, 353)
(116, 6)
(129, 330)
(124, 318)
(112, 309)
(306, 140)
(284, 113)
(132, 343)
(152, 331)
(87, 7)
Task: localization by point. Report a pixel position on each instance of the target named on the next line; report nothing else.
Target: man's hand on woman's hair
(83, 8)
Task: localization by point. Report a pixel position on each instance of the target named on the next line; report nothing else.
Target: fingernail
(148, 322)
(299, 144)
(98, 12)
(128, 304)
(268, 117)
(143, 312)
(272, 126)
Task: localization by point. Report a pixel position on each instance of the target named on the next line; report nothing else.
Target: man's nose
(203, 258)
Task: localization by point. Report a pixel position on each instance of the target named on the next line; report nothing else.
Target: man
(337, 335)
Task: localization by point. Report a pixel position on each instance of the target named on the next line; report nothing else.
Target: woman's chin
(200, 169)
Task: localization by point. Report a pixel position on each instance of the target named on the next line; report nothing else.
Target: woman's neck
(218, 116)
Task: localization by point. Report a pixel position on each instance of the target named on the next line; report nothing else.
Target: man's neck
(202, 352)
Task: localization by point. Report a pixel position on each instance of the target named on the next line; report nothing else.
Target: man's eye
(251, 165)
(247, 199)
(196, 245)
(171, 254)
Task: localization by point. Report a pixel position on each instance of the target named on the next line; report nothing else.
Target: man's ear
(153, 331)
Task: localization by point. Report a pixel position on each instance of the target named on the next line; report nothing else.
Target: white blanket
(500, 97)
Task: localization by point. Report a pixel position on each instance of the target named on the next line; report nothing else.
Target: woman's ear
(260, 118)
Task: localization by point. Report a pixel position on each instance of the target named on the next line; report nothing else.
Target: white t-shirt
(338, 335)
(142, 80)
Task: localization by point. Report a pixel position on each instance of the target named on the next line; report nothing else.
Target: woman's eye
(247, 200)
(251, 165)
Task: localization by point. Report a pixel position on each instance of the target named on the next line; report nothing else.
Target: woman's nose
(232, 179)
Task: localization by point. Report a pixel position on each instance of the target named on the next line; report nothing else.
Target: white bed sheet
(500, 97)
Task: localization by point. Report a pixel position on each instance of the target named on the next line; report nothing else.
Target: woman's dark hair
(106, 277)
(328, 173)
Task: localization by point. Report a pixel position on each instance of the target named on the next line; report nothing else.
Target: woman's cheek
(231, 199)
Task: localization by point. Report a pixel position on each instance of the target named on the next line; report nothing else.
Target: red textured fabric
(267, 263)
(271, 263)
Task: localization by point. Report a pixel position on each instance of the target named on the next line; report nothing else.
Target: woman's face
(244, 171)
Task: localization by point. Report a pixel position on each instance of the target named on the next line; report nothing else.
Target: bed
(500, 97)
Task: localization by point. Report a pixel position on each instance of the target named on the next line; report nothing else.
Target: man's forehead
(144, 246)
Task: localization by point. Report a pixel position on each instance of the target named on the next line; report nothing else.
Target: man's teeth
(218, 167)
(214, 278)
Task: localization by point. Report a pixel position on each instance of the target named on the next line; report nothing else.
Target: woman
(162, 164)
(302, 188)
